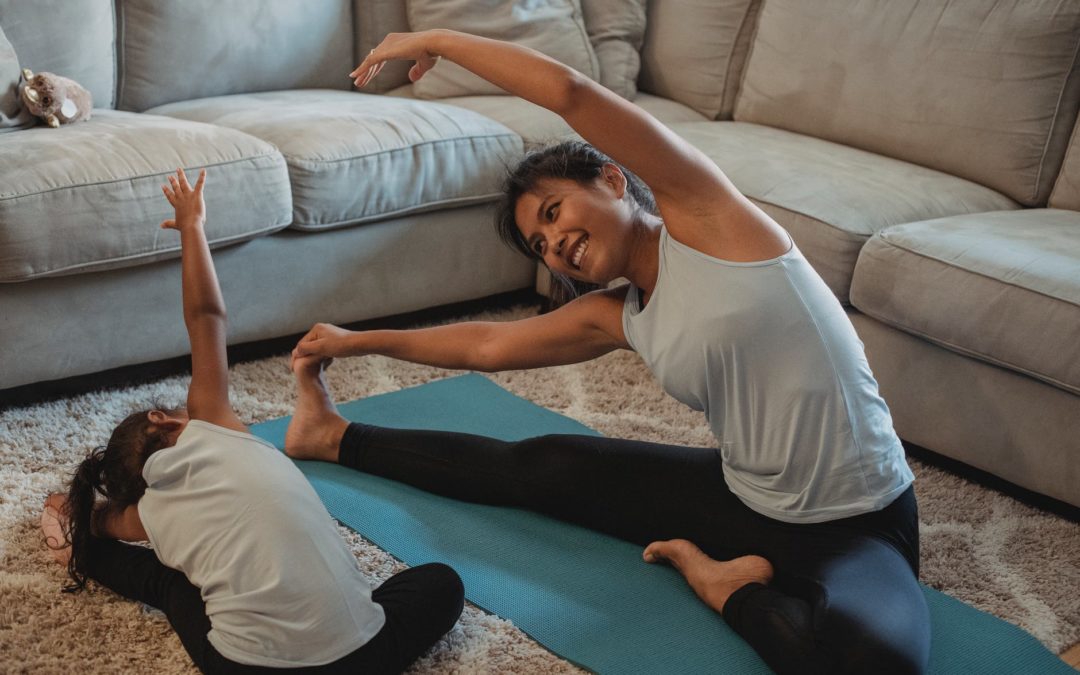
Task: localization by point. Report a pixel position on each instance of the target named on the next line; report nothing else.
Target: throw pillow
(695, 52)
(616, 30)
(554, 27)
(13, 115)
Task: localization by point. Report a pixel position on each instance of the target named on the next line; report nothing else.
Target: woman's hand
(413, 46)
(186, 200)
(326, 341)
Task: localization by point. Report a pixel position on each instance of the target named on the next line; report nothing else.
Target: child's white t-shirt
(243, 524)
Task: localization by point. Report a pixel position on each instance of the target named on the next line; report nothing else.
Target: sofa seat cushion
(539, 126)
(831, 197)
(88, 196)
(356, 158)
(1003, 287)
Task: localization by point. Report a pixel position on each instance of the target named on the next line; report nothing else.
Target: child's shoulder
(198, 429)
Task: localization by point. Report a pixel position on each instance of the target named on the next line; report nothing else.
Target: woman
(800, 528)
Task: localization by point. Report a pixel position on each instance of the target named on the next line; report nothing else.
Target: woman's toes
(672, 550)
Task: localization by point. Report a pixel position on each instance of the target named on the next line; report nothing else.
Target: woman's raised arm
(693, 194)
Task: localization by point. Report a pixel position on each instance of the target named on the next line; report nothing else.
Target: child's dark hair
(109, 479)
(571, 160)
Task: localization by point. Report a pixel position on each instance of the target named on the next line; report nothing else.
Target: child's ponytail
(86, 484)
(107, 481)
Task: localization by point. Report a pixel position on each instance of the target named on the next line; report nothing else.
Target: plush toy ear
(28, 74)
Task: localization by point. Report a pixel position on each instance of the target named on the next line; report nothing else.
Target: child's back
(244, 525)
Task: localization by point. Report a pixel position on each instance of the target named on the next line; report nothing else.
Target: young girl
(800, 527)
(247, 564)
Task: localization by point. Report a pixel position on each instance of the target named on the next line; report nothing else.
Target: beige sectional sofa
(918, 152)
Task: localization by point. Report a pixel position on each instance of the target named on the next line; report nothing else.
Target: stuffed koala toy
(55, 99)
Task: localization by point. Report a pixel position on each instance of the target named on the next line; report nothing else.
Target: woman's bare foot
(316, 428)
(53, 524)
(714, 581)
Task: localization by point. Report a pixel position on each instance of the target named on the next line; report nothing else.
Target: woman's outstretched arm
(583, 329)
(698, 202)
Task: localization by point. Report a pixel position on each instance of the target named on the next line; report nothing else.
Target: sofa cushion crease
(426, 155)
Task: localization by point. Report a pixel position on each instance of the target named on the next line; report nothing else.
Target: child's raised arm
(204, 308)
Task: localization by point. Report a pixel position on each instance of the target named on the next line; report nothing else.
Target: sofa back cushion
(987, 91)
(73, 38)
(695, 50)
(176, 51)
(554, 27)
(616, 30)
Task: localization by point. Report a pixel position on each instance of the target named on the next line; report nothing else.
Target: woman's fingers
(202, 179)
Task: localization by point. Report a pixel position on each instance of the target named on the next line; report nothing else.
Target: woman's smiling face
(581, 231)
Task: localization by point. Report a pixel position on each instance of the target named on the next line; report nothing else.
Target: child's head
(110, 478)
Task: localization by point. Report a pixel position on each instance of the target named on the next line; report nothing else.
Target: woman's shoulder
(730, 230)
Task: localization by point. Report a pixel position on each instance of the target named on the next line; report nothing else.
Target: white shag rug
(980, 546)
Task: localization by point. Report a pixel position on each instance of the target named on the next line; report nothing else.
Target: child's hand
(187, 200)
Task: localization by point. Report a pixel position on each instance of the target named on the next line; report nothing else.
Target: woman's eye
(550, 214)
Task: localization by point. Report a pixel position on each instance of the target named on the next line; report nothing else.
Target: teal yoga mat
(585, 596)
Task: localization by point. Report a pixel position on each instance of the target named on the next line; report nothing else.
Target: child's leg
(421, 604)
(135, 572)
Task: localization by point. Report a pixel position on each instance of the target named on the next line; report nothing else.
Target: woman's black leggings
(845, 596)
(421, 604)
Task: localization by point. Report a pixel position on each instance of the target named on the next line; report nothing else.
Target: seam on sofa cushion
(165, 252)
(730, 64)
(453, 202)
(1053, 124)
(1054, 121)
(76, 186)
(970, 352)
(116, 56)
(293, 159)
(121, 71)
(946, 263)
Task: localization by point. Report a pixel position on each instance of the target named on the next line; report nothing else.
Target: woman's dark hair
(109, 479)
(572, 160)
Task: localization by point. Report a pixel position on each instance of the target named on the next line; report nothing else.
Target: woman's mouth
(579, 252)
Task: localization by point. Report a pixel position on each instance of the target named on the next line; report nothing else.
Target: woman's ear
(615, 178)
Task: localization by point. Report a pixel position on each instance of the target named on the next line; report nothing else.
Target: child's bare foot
(316, 428)
(53, 523)
(714, 581)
